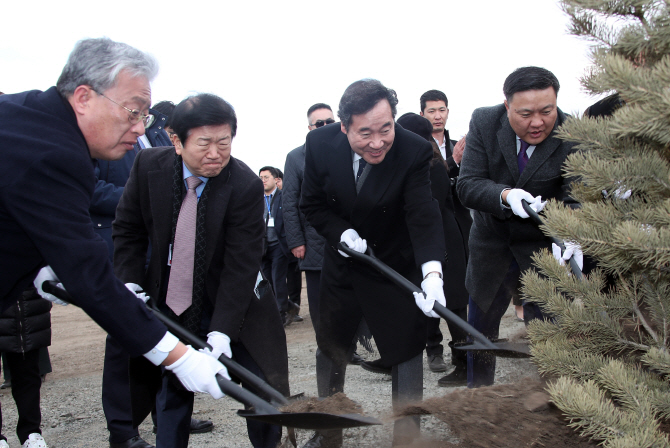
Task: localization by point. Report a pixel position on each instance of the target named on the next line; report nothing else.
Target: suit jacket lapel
(540, 155)
(160, 198)
(507, 144)
(378, 180)
(340, 159)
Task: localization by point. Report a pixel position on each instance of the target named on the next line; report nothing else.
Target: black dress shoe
(457, 377)
(201, 426)
(325, 439)
(135, 442)
(376, 367)
(356, 359)
(197, 426)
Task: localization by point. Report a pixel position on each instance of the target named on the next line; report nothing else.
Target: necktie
(361, 167)
(522, 158)
(180, 286)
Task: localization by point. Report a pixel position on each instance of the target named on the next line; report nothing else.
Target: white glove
(48, 274)
(134, 288)
(350, 238)
(220, 345)
(571, 250)
(197, 372)
(432, 291)
(514, 198)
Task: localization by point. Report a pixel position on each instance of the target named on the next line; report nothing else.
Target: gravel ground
(72, 413)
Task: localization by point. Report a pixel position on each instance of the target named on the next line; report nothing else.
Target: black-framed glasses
(319, 123)
(134, 115)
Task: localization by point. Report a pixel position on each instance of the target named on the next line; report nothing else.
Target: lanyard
(268, 203)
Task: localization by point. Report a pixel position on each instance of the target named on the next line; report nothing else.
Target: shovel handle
(245, 397)
(182, 333)
(574, 266)
(401, 281)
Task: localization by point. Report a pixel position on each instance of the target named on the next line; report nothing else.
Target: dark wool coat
(396, 214)
(234, 229)
(26, 325)
(489, 166)
(298, 231)
(46, 185)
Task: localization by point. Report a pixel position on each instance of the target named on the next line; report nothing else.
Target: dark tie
(361, 167)
(180, 286)
(522, 158)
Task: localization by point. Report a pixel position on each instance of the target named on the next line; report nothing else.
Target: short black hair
(164, 107)
(200, 110)
(280, 174)
(317, 106)
(273, 171)
(529, 78)
(361, 96)
(417, 124)
(433, 95)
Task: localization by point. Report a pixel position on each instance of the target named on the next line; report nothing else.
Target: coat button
(99, 225)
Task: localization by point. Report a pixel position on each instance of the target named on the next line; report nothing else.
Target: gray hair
(98, 62)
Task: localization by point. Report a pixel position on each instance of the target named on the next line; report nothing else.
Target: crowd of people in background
(166, 215)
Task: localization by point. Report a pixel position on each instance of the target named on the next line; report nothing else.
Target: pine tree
(609, 343)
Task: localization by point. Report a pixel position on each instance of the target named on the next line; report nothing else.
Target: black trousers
(275, 266)
(313, 280)
(26, 384)
(294, 281)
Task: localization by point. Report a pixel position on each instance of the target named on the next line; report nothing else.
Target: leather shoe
(201, 426)
(325, 439)
(298, 318)
(197, 426)
(376, 367)
(436, 363)
(135, 442)
(356, 359)
(457, 377)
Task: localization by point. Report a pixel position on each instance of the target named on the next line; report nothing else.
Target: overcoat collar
(507, 143)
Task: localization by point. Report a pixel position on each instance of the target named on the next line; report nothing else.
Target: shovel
(481, 343)
(262, 410)
(574, 266)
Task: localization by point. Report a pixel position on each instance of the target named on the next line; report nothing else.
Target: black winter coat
(26, 325)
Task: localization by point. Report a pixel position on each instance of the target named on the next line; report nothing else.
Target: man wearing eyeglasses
(98, 109)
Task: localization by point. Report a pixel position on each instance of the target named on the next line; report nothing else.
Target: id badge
(271, 222)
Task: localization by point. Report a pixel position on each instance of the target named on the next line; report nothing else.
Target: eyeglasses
(134, 115)
(319, 123)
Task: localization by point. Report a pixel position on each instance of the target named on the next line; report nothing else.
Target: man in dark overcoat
(511, 155)
(394, 214)
(229, 231)
(98, 109)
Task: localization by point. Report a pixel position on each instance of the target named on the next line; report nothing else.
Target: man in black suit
(435, 108)
(275, 258)
(366, 184)
(227, 254)
(511, 155)
(97, 110)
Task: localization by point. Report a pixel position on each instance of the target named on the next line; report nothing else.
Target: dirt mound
(338, 404)
(510, 415)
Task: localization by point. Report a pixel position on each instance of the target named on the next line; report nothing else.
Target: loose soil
(509, 414)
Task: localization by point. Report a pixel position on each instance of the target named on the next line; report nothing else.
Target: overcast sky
(272, 60)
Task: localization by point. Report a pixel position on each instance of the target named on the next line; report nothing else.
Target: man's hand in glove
(432, 292)
(220, 345)
(197, 372)
(350, 238)
(571, 250)
(514, 197)
(48, 274)
(135, 289)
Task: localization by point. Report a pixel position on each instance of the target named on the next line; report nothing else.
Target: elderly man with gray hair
(97, 110)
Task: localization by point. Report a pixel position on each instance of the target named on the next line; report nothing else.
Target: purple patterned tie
(522, 158)
(180, 286)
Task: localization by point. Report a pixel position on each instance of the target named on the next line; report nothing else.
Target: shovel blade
(501, 349)
(312, 420)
